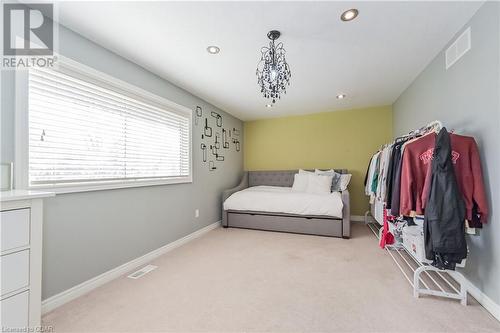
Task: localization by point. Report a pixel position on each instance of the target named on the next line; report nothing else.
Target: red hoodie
(416, 164)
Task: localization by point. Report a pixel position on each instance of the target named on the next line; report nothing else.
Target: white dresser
(21, 258)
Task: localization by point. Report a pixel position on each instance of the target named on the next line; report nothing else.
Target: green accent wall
(340, 139)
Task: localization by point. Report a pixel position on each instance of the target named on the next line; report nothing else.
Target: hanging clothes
(367, 174)
(390, 174)
(370, 174)
(469, 174)
(375, 177)
(416, 161)
(394, 177)
(435, 175)
(384, 168)
(444, 217)
(386, 238)
(372, 178)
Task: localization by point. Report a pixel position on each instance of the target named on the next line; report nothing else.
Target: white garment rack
(424, 279)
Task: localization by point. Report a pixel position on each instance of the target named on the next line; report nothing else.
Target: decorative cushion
(344, 181)
(336, 177)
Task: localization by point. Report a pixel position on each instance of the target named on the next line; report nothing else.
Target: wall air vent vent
(143, 271)
(459, 47)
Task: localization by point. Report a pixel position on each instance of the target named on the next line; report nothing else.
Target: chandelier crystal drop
(273, 72)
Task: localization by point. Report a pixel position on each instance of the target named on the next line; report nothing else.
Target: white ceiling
(371, 59)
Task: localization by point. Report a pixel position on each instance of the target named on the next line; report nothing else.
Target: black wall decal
(204, 150)
(199, 114)
(225, 143)
(207, 131)
(217, 140)
(218, 118)
(237, 144)
(213, 140)
(215, 152)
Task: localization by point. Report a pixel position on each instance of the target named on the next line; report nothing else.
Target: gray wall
(86, 234)
(467, 98)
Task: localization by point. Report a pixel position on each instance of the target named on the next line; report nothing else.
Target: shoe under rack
(424, 279)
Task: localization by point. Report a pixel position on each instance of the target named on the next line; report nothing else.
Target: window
(82, 131)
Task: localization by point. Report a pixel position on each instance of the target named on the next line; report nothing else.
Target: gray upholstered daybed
(303, 224)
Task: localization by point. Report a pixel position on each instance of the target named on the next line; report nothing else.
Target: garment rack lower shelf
(424, 279)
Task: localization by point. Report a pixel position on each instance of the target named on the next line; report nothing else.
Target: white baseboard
(481, 297)
(68, 295)
(357, 218)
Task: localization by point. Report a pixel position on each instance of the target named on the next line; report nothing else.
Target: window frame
(21, 167)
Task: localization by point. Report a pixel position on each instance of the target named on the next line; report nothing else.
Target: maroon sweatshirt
(415, 176)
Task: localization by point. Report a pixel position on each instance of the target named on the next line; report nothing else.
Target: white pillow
(345, 178)
(300, 182)
(304, 172)
(319, 184)
(330, 172)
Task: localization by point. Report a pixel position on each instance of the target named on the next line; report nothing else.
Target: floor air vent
(143, 271)
(459, 47)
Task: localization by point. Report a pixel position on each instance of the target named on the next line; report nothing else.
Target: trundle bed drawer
(295, 224)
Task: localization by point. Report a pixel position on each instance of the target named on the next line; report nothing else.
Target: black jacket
(445, 209)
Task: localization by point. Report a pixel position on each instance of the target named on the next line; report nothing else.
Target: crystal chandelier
(273, 72)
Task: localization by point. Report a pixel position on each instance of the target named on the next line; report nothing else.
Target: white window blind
(83, 132)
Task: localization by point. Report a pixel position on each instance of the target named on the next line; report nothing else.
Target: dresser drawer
(15, 311)
(15, 228)
(15, 271)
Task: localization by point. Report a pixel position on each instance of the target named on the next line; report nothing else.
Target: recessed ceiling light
(341, 96)
(212, 49)
(269, 105)
(349, 15)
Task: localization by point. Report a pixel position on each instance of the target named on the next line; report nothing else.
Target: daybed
(333, 221)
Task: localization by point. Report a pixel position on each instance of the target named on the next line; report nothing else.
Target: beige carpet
(243, 280)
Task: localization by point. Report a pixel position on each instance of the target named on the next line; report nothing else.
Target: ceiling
(372, 59)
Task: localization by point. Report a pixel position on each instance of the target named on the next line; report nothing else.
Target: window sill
(103, 186)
